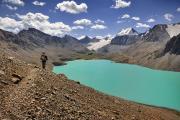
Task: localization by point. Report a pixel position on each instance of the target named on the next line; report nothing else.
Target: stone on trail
(16, 78)
(2, 72)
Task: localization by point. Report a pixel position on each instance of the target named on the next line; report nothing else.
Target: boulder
(16, 78)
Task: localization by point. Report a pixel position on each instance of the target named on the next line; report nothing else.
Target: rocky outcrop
(126, 37)
(125, 40)
(173, 46)
(85, 40)
(157, 33)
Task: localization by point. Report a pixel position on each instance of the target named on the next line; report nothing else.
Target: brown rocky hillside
(30, 93)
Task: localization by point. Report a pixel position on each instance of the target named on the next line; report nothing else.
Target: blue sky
(87, 17)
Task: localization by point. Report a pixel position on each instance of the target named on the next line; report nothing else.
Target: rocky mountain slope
(86, 40)
(157, 33)
(29, 44)
(125, 40)
(30, 93)
(173, 46)
(40, 39)
(147, 49)
(126, 37)
(121, 41)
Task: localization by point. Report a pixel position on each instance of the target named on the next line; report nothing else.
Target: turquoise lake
(131, 82)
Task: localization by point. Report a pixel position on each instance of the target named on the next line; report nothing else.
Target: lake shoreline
(50, 96)
(118, 58)
(124, 64)
(135, 102)
(62, 63)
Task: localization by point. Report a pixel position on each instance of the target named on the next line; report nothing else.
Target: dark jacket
(44, 58)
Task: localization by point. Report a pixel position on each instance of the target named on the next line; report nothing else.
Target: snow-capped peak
(127, 31)
(81, 37)
(84, 37)
(99, 37)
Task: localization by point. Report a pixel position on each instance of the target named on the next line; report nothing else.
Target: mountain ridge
(146, 49)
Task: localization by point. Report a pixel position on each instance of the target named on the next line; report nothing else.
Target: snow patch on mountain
(173, 30)
(97, 45)
(83, 37)
(127, 31)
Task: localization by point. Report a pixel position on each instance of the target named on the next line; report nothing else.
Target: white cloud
(141, 25)
(77, 27)
(34, 20)
(98, 21)
(72, 7)
(119, 21)
(125, 16)
(98, 27)
(178, 9)
(14, 2)
(41, 22)
(168, 16)
(11, 25)
(33, 17)
(11, 7)
(136, 18)
(121, 4)
(84, 22)
(37, 3)
(151, 20)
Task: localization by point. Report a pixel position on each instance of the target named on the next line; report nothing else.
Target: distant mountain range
(161, 32)
(29, 44)
(156, 48)
(87, 40)
(153, 48)
(33, 38)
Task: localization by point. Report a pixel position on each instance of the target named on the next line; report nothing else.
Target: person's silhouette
(44, 58)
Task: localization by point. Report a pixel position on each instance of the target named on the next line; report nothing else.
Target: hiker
(43, 60)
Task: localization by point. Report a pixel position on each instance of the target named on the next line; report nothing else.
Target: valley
(23, 82)
(89, 60)
(128, 46)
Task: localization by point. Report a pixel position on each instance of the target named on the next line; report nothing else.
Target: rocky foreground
(30, 93)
